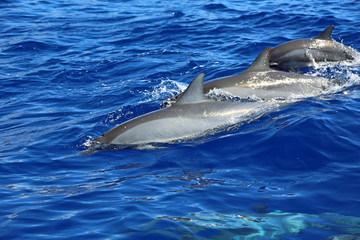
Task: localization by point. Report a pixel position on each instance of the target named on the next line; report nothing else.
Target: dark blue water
(71, 70)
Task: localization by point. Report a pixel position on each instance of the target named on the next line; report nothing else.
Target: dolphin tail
(326, 34)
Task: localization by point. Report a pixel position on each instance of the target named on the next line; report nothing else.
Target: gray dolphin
(191, 116)
(300, 53)
(260, 81)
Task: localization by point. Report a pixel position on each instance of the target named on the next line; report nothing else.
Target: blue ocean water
(71, 70)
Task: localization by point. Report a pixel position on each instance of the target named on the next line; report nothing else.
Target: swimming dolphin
(260, 81)
(191, 116)
(267, 225)
(300, 53)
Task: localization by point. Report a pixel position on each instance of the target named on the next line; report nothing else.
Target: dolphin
(262, 82)
(300, 53)
(191, 116)
(252, 225)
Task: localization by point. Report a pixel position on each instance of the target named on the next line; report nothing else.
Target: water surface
(72, 70)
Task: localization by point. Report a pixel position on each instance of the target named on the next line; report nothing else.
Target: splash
(163, 90)
(344, 73)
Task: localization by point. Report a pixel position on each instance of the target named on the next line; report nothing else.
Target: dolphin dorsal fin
(326, 34)
(261, 62)
(194, 92)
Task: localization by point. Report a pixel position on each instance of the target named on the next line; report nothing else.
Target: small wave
(178, 14)
(34, 46)
(215, 6)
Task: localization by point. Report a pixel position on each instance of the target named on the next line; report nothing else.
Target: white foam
(88, 141)
(347, 73)
(163, 90)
